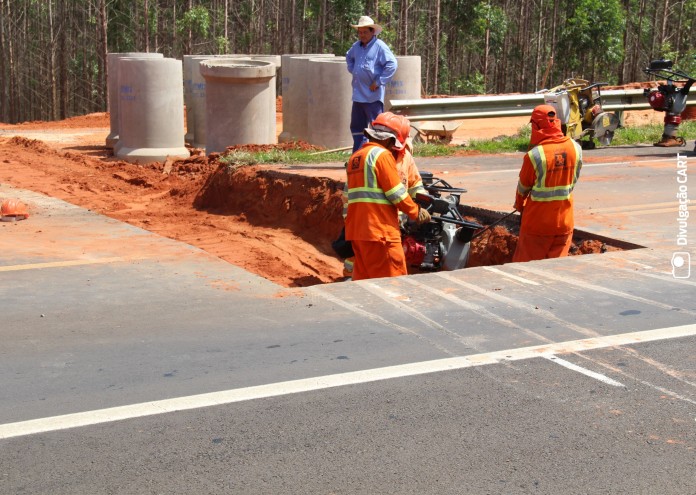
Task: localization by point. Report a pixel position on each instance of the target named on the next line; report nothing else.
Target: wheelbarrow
(440, 131)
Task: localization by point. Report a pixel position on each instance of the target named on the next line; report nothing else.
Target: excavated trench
(311, 208)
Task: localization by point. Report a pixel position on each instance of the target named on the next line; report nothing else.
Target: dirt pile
(160, 198)
(276, 224)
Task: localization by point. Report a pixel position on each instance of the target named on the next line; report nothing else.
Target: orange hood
(545, 125)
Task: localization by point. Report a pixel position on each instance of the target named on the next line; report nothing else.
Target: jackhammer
(669, 98)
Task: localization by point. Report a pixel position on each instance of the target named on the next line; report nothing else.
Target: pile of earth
(271, 222)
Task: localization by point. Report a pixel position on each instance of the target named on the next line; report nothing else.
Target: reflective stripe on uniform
(397, 193)
(416, 188)
(371, 192)
(539, 192)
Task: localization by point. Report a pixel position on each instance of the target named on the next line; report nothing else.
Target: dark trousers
(360, 117)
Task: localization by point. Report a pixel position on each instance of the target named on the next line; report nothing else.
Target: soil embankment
(276, 224)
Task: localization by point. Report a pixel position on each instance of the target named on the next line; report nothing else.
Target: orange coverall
(375, 195)
(410, 178)
(549, 173)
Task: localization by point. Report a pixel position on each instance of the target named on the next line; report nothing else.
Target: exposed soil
(273, 223)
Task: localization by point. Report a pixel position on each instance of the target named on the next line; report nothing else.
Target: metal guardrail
(477, 107)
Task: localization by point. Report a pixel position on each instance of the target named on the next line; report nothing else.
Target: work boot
(669, 141)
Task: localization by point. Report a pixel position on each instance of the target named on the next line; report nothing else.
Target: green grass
(241, 157)
(647, 134)
(652, 133)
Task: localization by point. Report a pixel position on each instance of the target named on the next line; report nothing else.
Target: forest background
(53, 52)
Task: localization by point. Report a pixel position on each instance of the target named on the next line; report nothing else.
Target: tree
(53, 52)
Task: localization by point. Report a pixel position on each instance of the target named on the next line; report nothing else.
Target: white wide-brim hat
(382, 133)
(366, 21)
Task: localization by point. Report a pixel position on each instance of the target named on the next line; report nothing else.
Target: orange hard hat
(388, 125)
(13, 209)
(405, 131)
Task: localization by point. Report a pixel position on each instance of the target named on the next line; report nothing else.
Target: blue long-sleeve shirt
(374, 62)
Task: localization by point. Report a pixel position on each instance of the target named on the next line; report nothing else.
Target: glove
(423, 216)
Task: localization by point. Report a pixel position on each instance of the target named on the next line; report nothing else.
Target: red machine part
(414, 250)
(659, 101)
(673, 119)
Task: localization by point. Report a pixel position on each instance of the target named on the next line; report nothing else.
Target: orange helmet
(13, 209)
(405, 131)
(388, 125)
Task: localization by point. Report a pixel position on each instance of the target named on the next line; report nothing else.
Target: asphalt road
(147, 366)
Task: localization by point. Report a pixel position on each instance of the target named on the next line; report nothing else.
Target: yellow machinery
(579, 105)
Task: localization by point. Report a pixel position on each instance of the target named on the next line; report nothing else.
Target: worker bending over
(544, 192)
(405, 166)
(375, 196)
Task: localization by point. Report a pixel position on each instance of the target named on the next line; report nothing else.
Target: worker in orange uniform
(405, 166)
(375, 196)
(544, 192)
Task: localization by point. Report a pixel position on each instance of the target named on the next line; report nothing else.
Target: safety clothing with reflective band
(377, 259)
(375, 195)
(540, 247)
(409, 174)
(548, 176)
(410, 177)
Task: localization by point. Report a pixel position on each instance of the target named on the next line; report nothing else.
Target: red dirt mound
(275, 224)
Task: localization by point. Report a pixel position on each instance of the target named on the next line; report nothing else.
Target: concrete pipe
(406, 83)
(274, 59)
(240, 103)
(295, 91)
(329, 103)
(151, 110)
(194, 92)
(195, 108)
(188, 63)
(112, 90)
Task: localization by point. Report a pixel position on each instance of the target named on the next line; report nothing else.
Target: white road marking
(317, 290)
(584, 371)
(510, 275)
(632, 208)
(663, 275)
(598, 288)
(584, 166)
(526, 307)
(42, 425)
(395, 298)
(58, 264)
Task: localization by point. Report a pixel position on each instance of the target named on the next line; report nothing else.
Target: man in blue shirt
(373, 65)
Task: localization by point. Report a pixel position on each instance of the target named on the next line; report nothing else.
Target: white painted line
(510, 275)
(584, 166)
(584, 371)
(42, 425)
(629, 208)
(662, 275)
(598, 288)
(524, 306)
(59, 264)
(319, 291)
